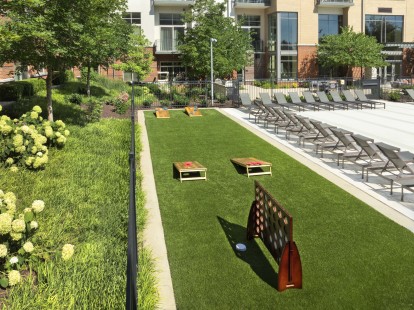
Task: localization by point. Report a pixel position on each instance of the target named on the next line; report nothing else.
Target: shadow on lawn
(253, 255)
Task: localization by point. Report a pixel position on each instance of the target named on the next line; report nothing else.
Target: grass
(352, 256)
(86, 190)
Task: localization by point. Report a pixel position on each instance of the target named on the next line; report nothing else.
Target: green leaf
(28, 216)
(4, 282)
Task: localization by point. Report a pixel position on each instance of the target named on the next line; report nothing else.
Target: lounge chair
(403, 162)
(296, 126)
(336, 97)
(372, 103)
(281, 100)
(410, 92)
(310, 132)
(350, 147)
(298, 102)
(266, 100)
(326, 139)
(253, 107)
(370, 157)
(324, 99)
(350, 98)
(283, 122)
(311, 100)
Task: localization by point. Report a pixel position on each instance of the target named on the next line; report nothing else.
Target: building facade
(285, 34)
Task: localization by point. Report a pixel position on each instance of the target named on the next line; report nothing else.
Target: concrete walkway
(154, 232)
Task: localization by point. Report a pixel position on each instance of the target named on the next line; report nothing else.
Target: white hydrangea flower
(3, 250)
(14, 277)
(67, 251)
(14, 260)
(28, 247)
(34, 225)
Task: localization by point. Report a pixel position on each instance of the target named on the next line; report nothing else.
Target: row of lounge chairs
(311, 103)
(384, 160)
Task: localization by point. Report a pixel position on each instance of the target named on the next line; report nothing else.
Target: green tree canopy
(59, 34)
(136, 58)
(350, 49)
(231, 51)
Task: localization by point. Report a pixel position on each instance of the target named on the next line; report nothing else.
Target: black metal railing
(132, 252)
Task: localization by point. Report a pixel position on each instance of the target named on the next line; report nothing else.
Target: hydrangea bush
(24, 142)
(16, 231)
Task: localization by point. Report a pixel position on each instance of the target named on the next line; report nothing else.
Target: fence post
(132, 251)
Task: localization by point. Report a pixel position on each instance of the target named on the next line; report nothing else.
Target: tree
(136, 59)
(104, 36)
(231, 51)
(350, 49)
(59, 34)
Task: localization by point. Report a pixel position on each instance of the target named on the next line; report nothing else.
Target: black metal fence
(178, 94)
(132, 251)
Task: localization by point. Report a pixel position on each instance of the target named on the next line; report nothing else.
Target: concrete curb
(154, 232)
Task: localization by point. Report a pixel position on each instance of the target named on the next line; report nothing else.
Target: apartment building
(285, 33)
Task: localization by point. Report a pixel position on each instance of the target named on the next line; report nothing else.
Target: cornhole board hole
(253, 166)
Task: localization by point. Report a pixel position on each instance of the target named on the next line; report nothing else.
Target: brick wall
(307, 65)
(7, 71)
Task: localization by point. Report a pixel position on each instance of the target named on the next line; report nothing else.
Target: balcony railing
(251, 3)
(335, 3)
(182, 3)
(168, 46)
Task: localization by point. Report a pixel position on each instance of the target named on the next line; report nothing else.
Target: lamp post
(211, 69)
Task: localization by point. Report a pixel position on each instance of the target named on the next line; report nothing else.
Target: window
(175, 69)
(133, 18)
(251, 23)
(386, 28)
(289, 67)
(283, 42)
(329, 24)
(289, 30)
(172, 27)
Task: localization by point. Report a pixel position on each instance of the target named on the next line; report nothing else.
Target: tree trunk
(88, 81)
(49, 94)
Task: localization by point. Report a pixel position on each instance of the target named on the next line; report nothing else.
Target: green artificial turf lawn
(352, 256)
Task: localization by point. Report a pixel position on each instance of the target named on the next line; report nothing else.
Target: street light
(211, 69)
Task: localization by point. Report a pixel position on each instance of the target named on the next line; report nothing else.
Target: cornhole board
(252, 164)
(162, 113)
(191, 170)
(193, 111)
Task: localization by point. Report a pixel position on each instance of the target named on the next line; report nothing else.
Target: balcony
(181, 3)
(251, 4)
(166, 46)
(334, 3)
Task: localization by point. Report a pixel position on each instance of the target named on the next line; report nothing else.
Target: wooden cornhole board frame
(270, 222)
(250, 163)
(162, 113)
(192, 112)
(189, 167)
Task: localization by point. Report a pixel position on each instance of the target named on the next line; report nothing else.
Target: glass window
(329, 24)
(175, 68)
(289, 67)
(289, 31)
(133, 18)
(173, 27)
(386, 28)
(272, 32)
(171, 19)
(251, 23)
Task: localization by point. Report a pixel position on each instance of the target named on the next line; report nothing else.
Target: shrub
(395, 95)
(74, 98)
(181, 100)
(93, 76)
(16, 232)
(24, 142)
(93, 110)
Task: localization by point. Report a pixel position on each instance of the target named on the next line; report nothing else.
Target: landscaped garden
(352, 256)
(68, 198)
